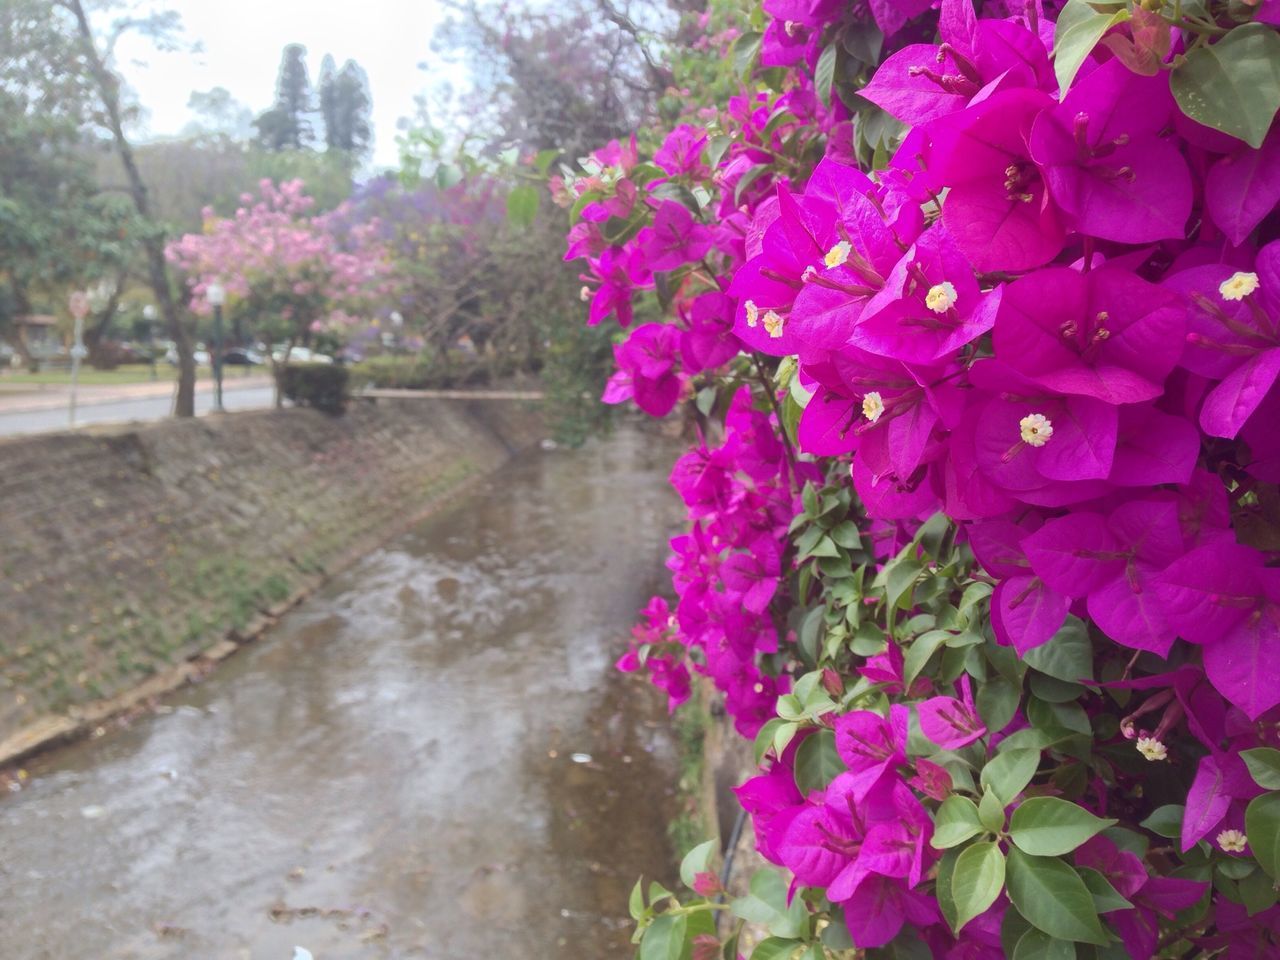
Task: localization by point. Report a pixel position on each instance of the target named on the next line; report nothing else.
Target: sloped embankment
(127, 556)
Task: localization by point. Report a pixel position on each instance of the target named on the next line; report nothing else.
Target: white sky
(242, 41)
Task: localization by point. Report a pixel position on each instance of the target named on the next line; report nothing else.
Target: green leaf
(716, 149)
(902, 575)
(542, 162)
(522, 205)
(751, 176)
(1009, 773)
(696, 861)
(1264, 766)
(977, 880)
(764, 739)
(1068, 655)
(824, 74)
(1165, 821)
(817, 762)
(942, 887)
(636, 904)
(975, 593)
(846, 533)
(664, 939)
(997, 702)
(1050, 827)
(1053, 898)
(767, 904)
(1262, 827)
(746, 49)
(1105, 897)
(1258, 892)
(1034, 945)
(1052, 690)
(991, 811)
(775, 948)
(1078, 31)
(919, 653)
(955, 822)
(1233, 85)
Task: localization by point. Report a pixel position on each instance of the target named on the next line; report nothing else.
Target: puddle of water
(430, 758)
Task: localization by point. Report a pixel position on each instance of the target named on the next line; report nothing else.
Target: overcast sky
(242, 41)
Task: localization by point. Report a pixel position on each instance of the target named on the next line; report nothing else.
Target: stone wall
(125, 552)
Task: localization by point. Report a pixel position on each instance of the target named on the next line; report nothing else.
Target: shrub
(324, 386)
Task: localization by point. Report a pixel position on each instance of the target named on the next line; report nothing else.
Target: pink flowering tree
(978, 309)
(288, 273)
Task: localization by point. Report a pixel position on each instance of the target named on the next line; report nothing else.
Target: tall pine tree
(287, 125)
(345, 104)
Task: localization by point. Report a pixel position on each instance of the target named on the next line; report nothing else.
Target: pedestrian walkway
(53, 396)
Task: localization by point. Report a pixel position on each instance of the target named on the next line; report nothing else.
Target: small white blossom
(1036, 429)
(838, 254)
(1239, 285)
(872, 406)
(1152, 749)
(753, 313)
(1232, 841)
(773, 324)
(941, 297)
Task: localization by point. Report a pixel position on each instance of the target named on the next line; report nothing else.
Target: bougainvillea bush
(978, 312)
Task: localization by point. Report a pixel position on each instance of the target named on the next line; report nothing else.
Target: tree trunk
(153, 239)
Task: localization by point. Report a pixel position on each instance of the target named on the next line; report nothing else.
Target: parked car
(242, 357)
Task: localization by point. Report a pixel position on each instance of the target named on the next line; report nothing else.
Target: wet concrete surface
(392, 771)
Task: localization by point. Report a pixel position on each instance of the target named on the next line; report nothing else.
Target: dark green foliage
(287, 126)
(323, 386)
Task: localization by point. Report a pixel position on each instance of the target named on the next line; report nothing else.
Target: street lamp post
(79, 310)
(149, 315)
(217, 296)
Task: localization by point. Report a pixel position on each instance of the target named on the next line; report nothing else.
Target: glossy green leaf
(1165, 821)
(1009, 773)
(901, 578)
(696, 861)
(942, 887)
(977, 880)
(817, 762)
(1053, 898)
(1106, 898)
(635, 905)
(1068, 655)
(1258, 891)
(955, 822)
(775, 948)
(919, 653)
(1262, 827)
(991, 811)
(766, 904)
(997, 702)
(746, 50)
(1264, 766)
(824, 74)
(1036, 945)
(665, 938)
(1233, 85)
(1050, 827)
(1079, 28)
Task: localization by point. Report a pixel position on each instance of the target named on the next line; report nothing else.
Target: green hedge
(324, 386)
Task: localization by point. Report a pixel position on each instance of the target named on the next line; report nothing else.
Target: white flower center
(941, 297)
(1239, 285)
(584, 294)
(1232, 841)
(1152, 749)
(838, 254)
(773, 324)
(1036, 429)
(753, 313)
(872, 406)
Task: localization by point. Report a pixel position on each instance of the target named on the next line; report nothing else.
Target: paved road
(121, 410)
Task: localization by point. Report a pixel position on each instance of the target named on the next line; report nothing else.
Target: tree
(107, 86)
(345, 107)
(287, 125)
(219, 114)
(285, 270)
(568, 77)
(57, 228)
